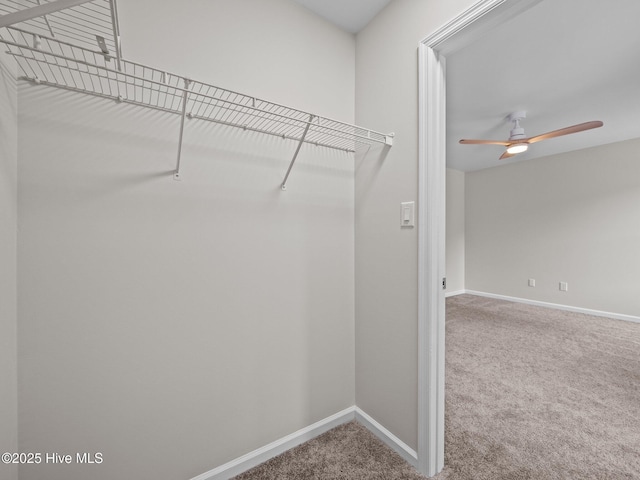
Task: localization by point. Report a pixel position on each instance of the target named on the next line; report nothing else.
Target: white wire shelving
(85, 23)
(76, 46)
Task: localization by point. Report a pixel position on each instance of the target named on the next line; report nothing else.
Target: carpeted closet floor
(531, 393)
(347, 452)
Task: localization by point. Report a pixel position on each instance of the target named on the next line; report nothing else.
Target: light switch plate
(407, 214)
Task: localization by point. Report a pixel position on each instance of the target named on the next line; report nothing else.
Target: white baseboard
(454, 293)
(261, 455)
(387, 437)
(569, 308)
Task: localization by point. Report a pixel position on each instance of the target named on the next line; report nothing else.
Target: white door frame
(432, 51)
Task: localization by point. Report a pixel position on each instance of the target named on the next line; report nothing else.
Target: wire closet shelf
(59, 49)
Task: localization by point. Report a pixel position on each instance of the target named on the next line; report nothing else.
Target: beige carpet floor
(537, 393)
(531, 393)
(346, 452)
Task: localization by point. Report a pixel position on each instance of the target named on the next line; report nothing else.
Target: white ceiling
(564, 62)
(350, 15)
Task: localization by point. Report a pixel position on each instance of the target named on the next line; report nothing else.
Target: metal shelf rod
(178, 90)
(382, 138)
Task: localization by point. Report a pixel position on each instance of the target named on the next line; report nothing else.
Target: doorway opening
(432, 53)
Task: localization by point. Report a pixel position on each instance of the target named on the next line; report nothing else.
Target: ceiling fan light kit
(518, 141)
(517, 148)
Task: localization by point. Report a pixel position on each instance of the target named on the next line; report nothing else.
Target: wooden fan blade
(484, 142)
(566, 131)
(507, 155)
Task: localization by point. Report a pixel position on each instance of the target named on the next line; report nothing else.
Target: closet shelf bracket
(295, 155)
(185, 99)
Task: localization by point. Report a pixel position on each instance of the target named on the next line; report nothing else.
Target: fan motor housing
(516, 133)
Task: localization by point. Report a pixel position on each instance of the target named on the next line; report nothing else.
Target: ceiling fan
(519, 143)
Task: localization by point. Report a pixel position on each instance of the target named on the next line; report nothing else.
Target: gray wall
(455, 238)
(174, 326)
(8, 269)
(573, 217)
(386, 255)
